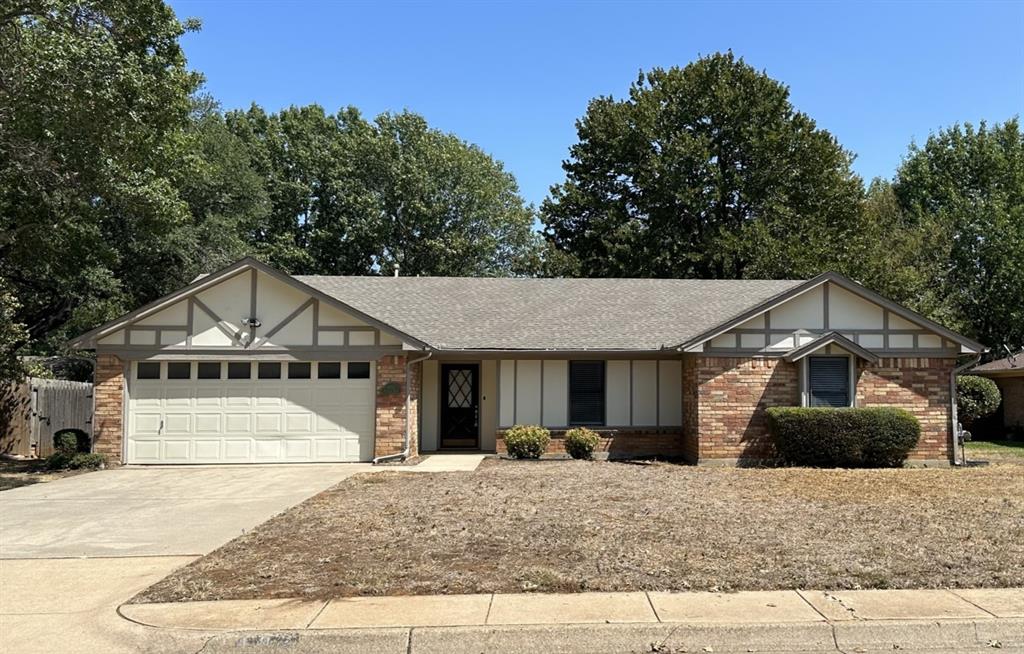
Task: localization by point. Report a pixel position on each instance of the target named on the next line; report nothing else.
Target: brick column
(390, 414)
(108, 417)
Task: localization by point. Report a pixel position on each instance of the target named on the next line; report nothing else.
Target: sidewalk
(847, 621)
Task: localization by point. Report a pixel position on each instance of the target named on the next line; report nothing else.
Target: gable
(217, 313)
(834, 305)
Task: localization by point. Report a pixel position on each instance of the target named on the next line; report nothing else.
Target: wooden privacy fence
(35, 409)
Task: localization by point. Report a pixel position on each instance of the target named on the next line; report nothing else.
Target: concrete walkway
(869, 620)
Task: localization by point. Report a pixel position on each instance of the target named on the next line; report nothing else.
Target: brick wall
(108, 419)
(919, 385)
(1012, 407)
(691, 427)
(390, 414)
(621, 442)
(731, 395)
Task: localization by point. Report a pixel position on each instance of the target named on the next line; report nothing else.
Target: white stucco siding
(555, 406)
(528, 392)
(331, 316)
(431, 406)
(805, 311)
(230, 299)
(617, 393)
(670, 393)
(849, 311)
(800, 320)
(507, 390)
(142, 337)
(115, 338)
(176, 314)
(645, 393)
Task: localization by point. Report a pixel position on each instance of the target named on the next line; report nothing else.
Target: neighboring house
(1008, 374)
(252, 365)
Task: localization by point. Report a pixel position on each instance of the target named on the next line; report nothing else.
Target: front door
(460, 405)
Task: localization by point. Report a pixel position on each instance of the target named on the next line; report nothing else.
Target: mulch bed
(570, 526)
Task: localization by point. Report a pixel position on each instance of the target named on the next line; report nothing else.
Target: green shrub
(527, 441)
(71, 440)
(581, 442)
(876, 437)
(976, 397)
(62, 460)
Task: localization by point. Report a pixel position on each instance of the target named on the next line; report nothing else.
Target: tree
(965, 188)
(353, 197)
(704, 171)
(12, 336)
(976, 397)
(94, 95)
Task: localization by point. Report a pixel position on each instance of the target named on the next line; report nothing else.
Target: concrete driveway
(153, 511)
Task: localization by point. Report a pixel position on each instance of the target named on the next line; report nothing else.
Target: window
(358, 370)
(208, 370)
(328, 370)
(239, 370)
(828, 381)
(298, 370)
(586, 392)
(179, 370)
(147, 370)
(269, 370)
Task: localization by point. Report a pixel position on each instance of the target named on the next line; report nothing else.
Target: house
(1008, 374)
(250, 365)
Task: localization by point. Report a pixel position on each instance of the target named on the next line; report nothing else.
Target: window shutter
(829, 381)
(586, 392)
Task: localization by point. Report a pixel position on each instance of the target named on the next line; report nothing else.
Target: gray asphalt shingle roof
(462, 313)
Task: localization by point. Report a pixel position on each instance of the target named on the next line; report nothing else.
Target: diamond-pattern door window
(460, 389)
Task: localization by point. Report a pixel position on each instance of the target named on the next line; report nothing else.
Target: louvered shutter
(829, 381)
(586, 392)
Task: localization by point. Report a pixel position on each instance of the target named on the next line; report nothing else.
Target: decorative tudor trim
(845, 283)
(88, 339)
(831, 338)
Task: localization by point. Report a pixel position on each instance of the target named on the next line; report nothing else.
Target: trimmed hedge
(63, 460)
(976, 397)
(527, 441)
(581, 442)
(875, 437)
(71, 440)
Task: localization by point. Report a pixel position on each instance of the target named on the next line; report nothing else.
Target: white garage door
(250, 412)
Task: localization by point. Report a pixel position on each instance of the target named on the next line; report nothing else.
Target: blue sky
(513, 77)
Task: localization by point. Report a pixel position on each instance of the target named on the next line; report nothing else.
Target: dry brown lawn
(584, 526)
(14, 474)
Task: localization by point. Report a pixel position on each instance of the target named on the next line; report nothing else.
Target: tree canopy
(703, 171)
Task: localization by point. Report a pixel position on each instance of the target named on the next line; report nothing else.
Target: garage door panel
(146, 423)
(296, 449)
(175, 450)
(268, 449)
(251, 420)
(207, 450)
(268, 423)
(237, 423)
(209, 423)
(298, 423)
(178, 423)
(237, 450)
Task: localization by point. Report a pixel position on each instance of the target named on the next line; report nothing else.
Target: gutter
(404, 454)
(958, 447)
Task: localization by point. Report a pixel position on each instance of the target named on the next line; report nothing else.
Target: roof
(831, 338)
(1011, 364)
(469, 313)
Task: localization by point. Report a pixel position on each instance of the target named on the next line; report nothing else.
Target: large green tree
(964, 190)
(94, 95)
(703, 171)
(350, 196)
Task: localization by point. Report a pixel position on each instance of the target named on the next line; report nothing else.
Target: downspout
(958, 448)
(408, 401)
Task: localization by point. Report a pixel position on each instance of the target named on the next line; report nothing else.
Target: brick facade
(919, 385)
(390, 413)
(108, 418)
(724, 400)
(620, 442)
